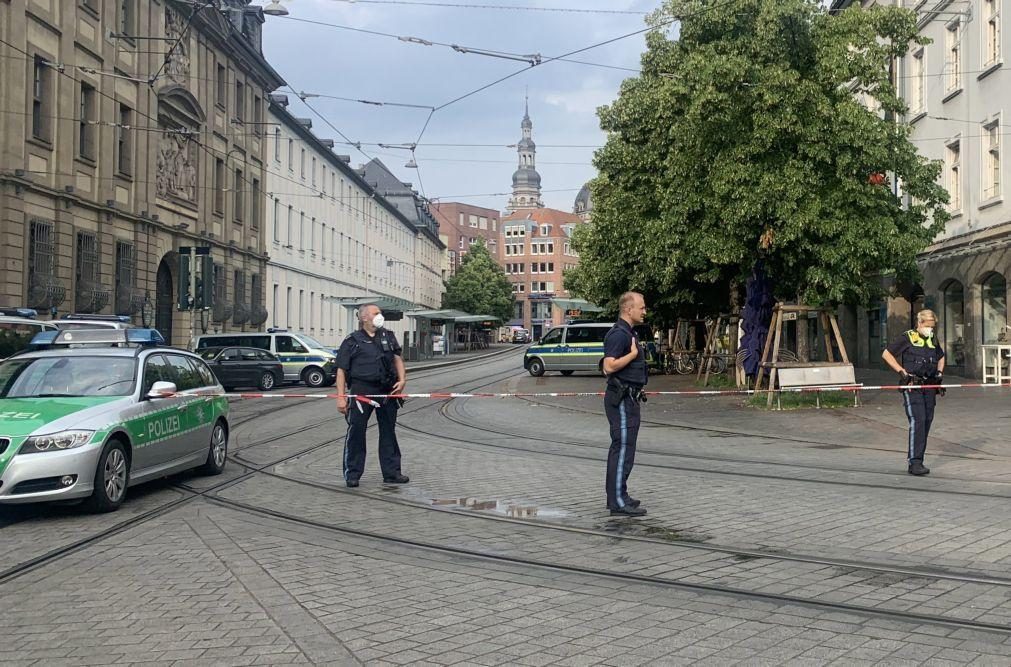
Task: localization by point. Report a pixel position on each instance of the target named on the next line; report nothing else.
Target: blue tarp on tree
(756, 317)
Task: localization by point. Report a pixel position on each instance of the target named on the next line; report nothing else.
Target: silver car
(88, 422)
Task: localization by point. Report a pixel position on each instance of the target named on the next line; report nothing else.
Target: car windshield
(63, 376)
(312, 342)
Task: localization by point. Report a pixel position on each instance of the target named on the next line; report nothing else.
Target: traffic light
(204, 279)
(205, 283)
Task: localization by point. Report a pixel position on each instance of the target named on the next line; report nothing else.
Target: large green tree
(745, 137)
(479, 286)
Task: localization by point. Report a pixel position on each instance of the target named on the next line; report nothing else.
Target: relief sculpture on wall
(177, 65)
(176, 164)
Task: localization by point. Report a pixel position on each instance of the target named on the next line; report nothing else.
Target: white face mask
(926, 332)
(378, 321)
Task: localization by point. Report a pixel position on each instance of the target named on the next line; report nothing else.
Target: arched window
(953, 321)
(993, 293)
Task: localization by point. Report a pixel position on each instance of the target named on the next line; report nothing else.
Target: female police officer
(369, 363)
(918, 358)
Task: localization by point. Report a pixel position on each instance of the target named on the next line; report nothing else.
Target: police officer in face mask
(918, 358)
(369, 362)
(625, 366)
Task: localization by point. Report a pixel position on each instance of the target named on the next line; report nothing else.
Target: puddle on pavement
(509, 508)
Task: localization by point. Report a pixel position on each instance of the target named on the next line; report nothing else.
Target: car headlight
(56, 441)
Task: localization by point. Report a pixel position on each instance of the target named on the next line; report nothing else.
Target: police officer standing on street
(625, 366)
(369, 362)
(918, 358)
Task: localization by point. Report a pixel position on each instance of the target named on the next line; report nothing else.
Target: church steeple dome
(526, 180)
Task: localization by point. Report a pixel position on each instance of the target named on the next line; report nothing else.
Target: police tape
(369, 398)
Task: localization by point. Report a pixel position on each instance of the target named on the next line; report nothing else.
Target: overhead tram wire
(529, 8)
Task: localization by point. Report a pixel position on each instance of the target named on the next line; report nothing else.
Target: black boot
(396, 479)
(628, 511)
(917, 468)
(352, 483)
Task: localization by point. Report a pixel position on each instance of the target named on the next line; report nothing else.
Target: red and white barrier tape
(579, 394)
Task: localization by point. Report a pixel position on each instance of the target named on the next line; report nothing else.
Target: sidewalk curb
(459, 362)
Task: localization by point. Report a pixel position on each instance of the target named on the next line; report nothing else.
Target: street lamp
(275, 8)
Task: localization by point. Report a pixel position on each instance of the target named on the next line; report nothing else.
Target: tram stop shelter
(426, 343)
(576, 309)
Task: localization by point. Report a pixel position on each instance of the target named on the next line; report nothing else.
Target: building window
(291, 213)
(86, 270)
(953, 319)
(991, 158)
(993, 293)
(473, 221)
(127, 16)
(255, 291)
(240, 209)
(219, 186)
(41, 255)
(273, 307)
(991, 45)
(90, 4)
(313, 172)
(257, 115)
(287, 309)
(219, 287)
(301, 308)
(221, 86)
(277, 221)
(918, 82)
(40, 99)
(301, 231)
(239, 287)
(240, 101)
(954, 169)
(953, 68)
(124, 141)
(254, 211)
(86, 123)
(277, 145)
(291, 154)
(126, 276)
(322, 181)
(312, 236)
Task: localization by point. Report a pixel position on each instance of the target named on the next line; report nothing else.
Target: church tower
(526, 180)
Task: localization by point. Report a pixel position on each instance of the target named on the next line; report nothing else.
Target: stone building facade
(464, 224)
(130, 129)
(335, 242)
(957, 89)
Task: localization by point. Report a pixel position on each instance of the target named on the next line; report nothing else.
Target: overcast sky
(563, 96)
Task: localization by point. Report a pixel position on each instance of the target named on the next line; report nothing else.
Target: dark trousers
(919, 406)
(624, 421)
(358, 421)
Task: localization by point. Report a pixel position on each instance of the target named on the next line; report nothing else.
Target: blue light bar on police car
(97, 337)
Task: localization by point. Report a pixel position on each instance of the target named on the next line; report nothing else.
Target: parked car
(99, 411)
(305, 359)
(243, 367)
(88, 321)
(17, 332)
(521, 336)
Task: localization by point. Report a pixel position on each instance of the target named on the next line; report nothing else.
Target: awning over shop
(384, 302)
(577, 304)
(476, 318)
(445, 315)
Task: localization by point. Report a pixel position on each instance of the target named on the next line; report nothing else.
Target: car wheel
(567, 373)
(536, 367)
(217, 454)
(112, 477)
(314, 377)
(267, 381)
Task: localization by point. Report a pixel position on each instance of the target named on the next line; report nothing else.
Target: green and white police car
(101, 410)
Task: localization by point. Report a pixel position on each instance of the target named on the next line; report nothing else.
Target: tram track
(24, 567)
(693, 469)
(739, 593)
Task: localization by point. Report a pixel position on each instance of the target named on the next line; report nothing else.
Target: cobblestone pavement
(526, 567)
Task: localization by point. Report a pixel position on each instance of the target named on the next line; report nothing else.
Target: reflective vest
(922, 355)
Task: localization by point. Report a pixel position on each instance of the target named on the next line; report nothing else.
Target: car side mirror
(162, 390)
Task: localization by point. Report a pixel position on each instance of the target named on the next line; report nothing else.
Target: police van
(568, 348)
(304, 358)
(18, 327)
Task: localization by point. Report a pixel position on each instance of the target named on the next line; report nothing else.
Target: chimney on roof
(304, 122)
(327, 142)
(279, 99)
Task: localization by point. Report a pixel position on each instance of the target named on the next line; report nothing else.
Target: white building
(335, 242)
(957, 88)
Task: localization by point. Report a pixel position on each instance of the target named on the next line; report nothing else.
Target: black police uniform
(621, 405)
(919, 357)
(368, 365)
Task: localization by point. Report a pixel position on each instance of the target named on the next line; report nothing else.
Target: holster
(617, 390)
